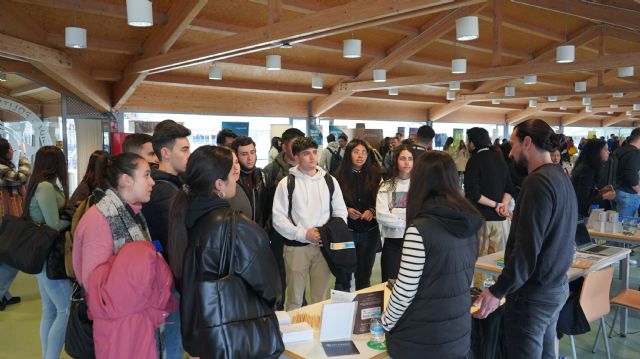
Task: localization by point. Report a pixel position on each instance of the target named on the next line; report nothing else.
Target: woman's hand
(354, 213)
(610, 195)
(367, 215)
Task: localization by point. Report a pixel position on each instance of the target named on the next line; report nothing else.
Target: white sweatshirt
(310, 204)
(391, 209)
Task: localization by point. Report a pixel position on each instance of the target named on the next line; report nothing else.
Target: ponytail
(177, 241)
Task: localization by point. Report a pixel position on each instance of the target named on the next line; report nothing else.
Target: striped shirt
(411, 267)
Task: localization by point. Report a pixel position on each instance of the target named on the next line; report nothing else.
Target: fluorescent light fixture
(139, 13)
(467, 28)
(379, 75)
(351, 48)
(75, 37)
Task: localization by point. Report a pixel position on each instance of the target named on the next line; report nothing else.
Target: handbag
(247, 327)
(56, 268)
(24, 244)
(78, 339)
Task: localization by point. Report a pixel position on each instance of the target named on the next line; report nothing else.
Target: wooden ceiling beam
(552, 92)
(93, 44)
(92, 7)
(614, 120)
(349, 17)
(484, 47)
(591, 11)
(27, 90)
(106, 75)
(505, 72)
(435, 28)
(497, 20)
(488, 15)
(33, 52)
(275, 11)
(159, 41)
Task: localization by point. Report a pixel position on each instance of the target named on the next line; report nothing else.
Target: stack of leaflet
(292, 333)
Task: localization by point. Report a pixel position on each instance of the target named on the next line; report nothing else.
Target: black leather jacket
(253, 262)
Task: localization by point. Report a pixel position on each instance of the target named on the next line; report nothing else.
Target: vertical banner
(458, 135)
(591, 135)
(239, 128)
(336, 130)
(401, 131)
(440, 139)
(315, 132)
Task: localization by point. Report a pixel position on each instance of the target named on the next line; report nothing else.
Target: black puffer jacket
(203, 335)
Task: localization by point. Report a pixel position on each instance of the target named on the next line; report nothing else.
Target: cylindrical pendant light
(509, 91)
(565, 54)
(215, 73)
(636, 106)
(458, 66)
(530, 79)
(588, 109)
(618, 94)
(609, 112)
(454, 85)
(139, 13)
(351, 48)
(533, 103)
(75, 37)
(613, 105)
(379, 75)
(451, 95)
(316, 82)
(467, 28)
(3, 77)
(552, 98)
(273, 63)
(563, 108)
(625, 71)
(581, 86)
(393, 91)
(629, 113)
(586, 100)
(495, 102)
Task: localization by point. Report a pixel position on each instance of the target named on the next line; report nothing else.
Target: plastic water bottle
(488, 282)
(376, 329)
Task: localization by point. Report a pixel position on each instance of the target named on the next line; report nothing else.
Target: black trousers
(530, 318)
(277, 247)
(390, 260)
(367, 244)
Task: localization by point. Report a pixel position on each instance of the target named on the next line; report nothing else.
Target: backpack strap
(291, 185)
(329, 180)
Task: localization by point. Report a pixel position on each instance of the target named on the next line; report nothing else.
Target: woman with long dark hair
(428, 312)
(93, 177)
(47, 194)
(200, 223)
(585, 176)
(391, 204)
(12, 183)
(359, 178)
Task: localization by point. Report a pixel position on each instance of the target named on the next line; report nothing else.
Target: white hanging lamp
(459, 66)
(379, 75)
(317, 82)
(467, 28)
(625, 71)
(565, 54)
(351, 48)
(530, 79)
(3, 77)
(609, 112)
(618, 94)
(75, 37)
(394, 91)
(629, 113)
(215, 73)
(563, 108)
(495, 102)
(451, 95)
(454, 85)
(139, 13)
(588, 109)
(509, 91)
(273, 63)
(586, 101)
(533, 103)
(552, 98)
(581, 86)
(613, 105)
(636, 106)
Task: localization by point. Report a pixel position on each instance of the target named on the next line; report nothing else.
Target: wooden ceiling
(164, 68)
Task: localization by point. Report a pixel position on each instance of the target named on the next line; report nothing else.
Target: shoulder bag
(24, 244)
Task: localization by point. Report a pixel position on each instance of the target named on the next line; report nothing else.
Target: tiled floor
(19, 325)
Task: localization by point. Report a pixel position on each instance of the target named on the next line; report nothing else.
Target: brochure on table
(336, 328)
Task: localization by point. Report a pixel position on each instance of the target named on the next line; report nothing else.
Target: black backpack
(334, 162)
(340, 261)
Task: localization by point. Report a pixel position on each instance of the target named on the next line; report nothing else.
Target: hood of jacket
(201, 205)
(333, 146)
(460, 224)
(159, 175)
(318, 176)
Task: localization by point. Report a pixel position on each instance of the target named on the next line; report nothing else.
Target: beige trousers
(493, 239)
(302, 263)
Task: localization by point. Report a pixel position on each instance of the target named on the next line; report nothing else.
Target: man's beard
(521, 165)
(244, 169)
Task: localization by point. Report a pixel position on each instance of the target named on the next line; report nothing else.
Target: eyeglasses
(364, 153)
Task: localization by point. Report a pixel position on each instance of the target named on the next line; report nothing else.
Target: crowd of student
(156, 249)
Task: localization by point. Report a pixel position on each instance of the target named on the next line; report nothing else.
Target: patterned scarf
(126, 226)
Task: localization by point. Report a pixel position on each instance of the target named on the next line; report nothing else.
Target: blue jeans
(7, 275)
(56, 299)
(530, 319)
(627, 203)
(172, 336)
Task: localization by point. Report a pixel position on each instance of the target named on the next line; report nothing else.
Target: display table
(488, 264)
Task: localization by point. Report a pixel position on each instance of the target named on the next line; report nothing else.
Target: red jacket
(129, 297)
